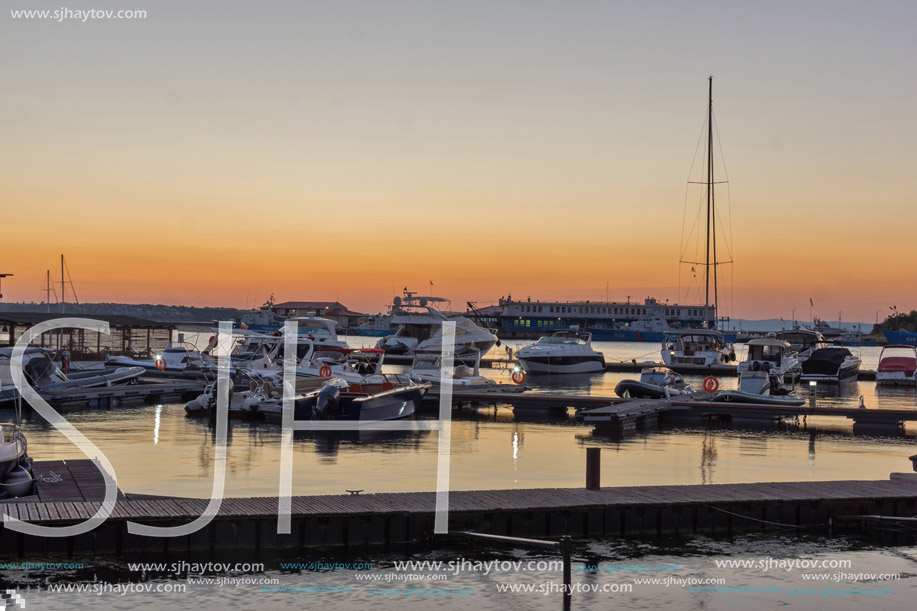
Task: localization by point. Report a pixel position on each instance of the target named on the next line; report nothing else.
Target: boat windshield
(329, 355)
(562, 339)
(898, 352)
(765, 353)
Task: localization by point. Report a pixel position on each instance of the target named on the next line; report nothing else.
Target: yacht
(420, 329)
(705, 347)
(803, 342)
(376, 326)
(769, 365)
(562, 352)
(831, 364)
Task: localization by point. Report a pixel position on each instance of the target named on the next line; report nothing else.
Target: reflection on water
(607, 564)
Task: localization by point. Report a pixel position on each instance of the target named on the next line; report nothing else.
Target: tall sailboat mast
(711, 218)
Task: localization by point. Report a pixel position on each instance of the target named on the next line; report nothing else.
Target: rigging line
(72, 288)
(684, 213)
(726, 173)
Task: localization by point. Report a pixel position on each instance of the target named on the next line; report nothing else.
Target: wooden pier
(320, 522)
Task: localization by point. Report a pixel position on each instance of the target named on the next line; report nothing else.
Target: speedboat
(427, 368)
(351, 366)
(654, 383)
(803, 342)
(831, 364)
(420, 328)
(46, 377)
(897, 365)
(769, 364)
(374, 397)
(246, 402)
(15, 465)
(705, 347)
(177, 359)
(562, 352)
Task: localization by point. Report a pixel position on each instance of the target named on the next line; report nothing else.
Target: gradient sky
(216, 152)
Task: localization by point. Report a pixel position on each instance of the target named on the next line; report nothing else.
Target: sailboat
(703, 346)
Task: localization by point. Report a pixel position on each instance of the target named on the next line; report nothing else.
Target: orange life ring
(325, 371)
(711, 384)
(160, 363)
(518, 377)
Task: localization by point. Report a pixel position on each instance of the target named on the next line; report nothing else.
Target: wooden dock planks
(58, 505)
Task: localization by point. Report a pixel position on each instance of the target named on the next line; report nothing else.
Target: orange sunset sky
(215, 153)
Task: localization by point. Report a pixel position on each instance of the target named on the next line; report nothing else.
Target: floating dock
(320, 522)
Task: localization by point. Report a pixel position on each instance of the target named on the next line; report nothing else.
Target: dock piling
(593, 468)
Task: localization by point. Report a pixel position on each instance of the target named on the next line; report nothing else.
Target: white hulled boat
(420, 328)
(770, 364)
(562, 352)
(705, 347)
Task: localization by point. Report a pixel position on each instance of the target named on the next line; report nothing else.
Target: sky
(214, 153)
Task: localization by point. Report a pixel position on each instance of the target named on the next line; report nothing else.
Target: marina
(516, 306)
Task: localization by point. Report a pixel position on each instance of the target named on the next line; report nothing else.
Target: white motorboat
(46, 377)
(705, 347)
(562, 352)
(177, 359)
(769, 365)
(420, 328)
(351, 366)
(427, 368)
(831, 364)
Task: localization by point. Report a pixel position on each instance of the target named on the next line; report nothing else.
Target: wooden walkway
(79, 495)
(385, 519)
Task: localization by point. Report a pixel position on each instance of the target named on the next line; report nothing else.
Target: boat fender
(66, 364)
(711, 384)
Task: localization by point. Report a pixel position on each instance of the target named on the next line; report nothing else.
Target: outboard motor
(327, 401)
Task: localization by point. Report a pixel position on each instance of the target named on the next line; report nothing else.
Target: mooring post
(566, 549)
(593, 468)
(913, 461)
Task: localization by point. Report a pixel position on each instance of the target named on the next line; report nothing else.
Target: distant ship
(901, 338)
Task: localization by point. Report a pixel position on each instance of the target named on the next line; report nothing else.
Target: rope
(739, 515)
(54, 479)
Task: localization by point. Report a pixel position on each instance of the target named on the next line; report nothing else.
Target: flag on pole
(811, 303)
